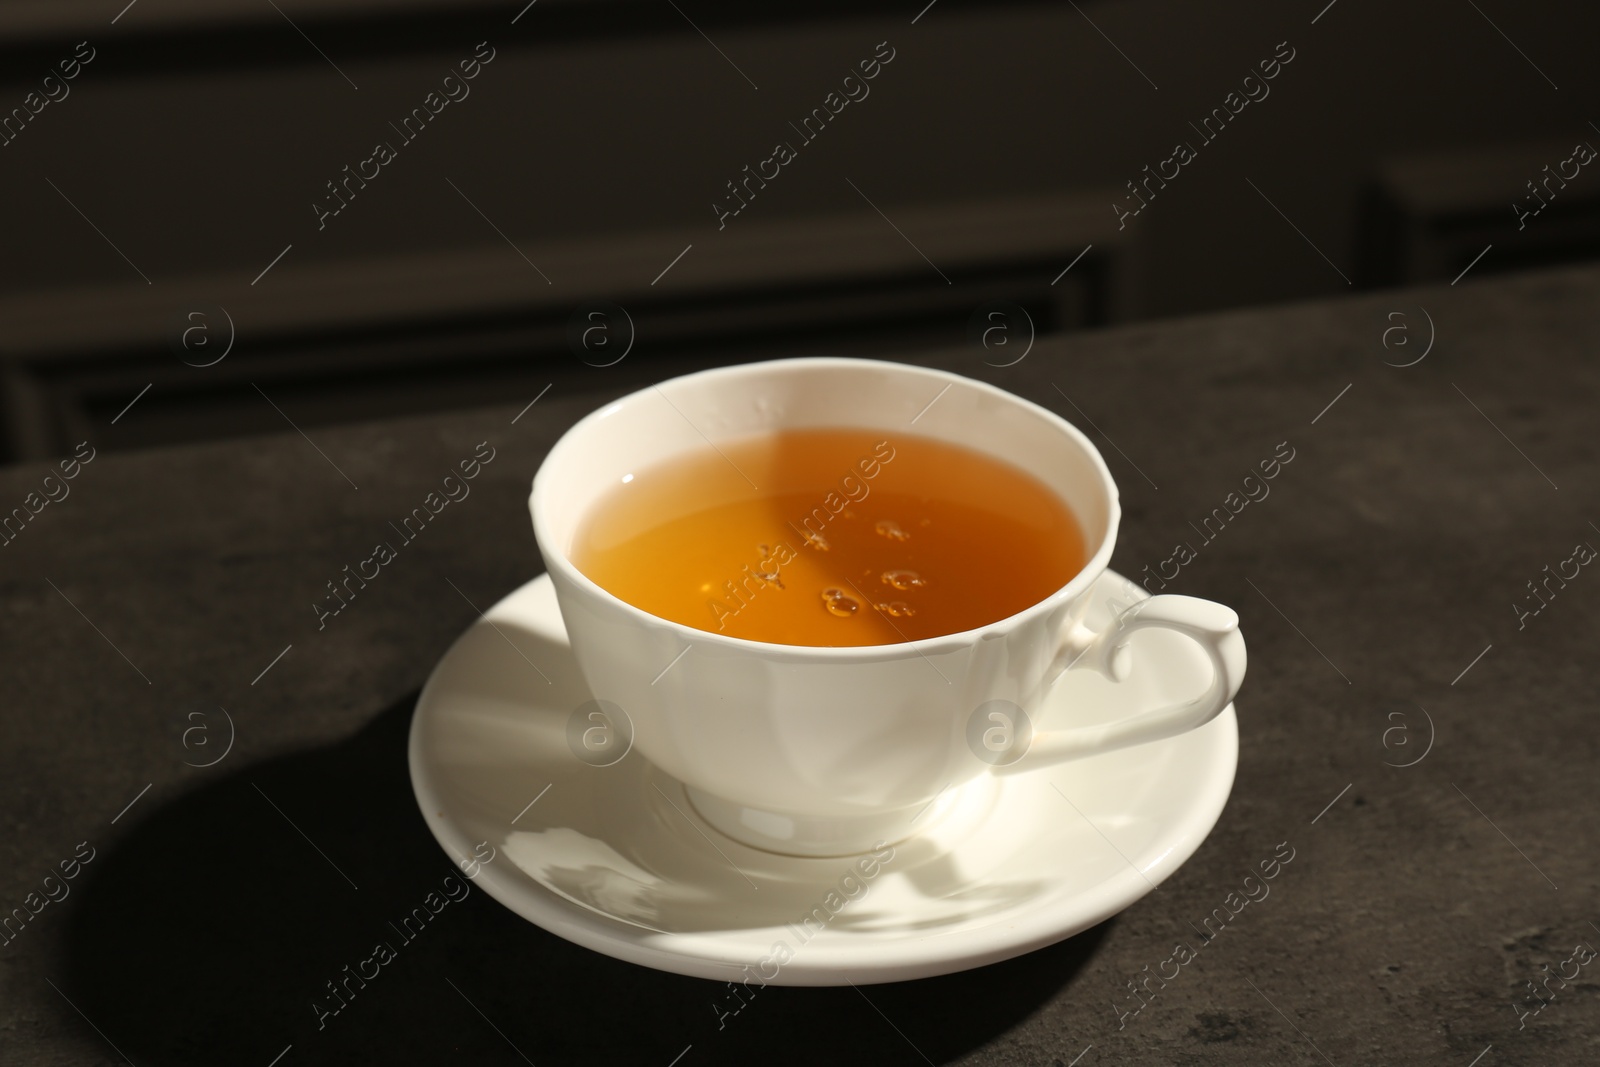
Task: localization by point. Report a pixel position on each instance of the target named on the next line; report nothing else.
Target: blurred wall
(196, 141)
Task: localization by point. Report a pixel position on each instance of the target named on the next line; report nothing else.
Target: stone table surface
(1416, 727)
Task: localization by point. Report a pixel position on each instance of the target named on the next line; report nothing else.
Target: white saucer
(615, 859)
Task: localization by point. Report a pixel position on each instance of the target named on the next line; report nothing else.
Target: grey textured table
(1379, 578)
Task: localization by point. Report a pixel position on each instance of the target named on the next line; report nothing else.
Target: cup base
(792, 835)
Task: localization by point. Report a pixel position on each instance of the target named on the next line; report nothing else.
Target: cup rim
(558, 561)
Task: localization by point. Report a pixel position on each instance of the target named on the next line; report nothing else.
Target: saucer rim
(700, 955)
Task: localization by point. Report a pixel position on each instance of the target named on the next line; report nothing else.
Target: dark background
(190, 151)
(979, 177)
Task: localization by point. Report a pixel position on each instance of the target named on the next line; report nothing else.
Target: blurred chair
(1427, 215)
(386, 337)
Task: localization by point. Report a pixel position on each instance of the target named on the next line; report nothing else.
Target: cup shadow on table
(212, 931)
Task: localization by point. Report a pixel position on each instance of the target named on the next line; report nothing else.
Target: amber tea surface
(831, 537)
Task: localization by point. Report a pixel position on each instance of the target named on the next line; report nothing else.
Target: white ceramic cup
(827, 751)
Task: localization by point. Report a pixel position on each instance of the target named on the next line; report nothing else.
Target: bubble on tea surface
(899, 609)
(840, 603)
(999, 732)
(891, 529)
(770, 577)
(816, 541)
(903, 579)
(599, 733)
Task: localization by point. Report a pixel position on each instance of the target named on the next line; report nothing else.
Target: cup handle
(1214, 627)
